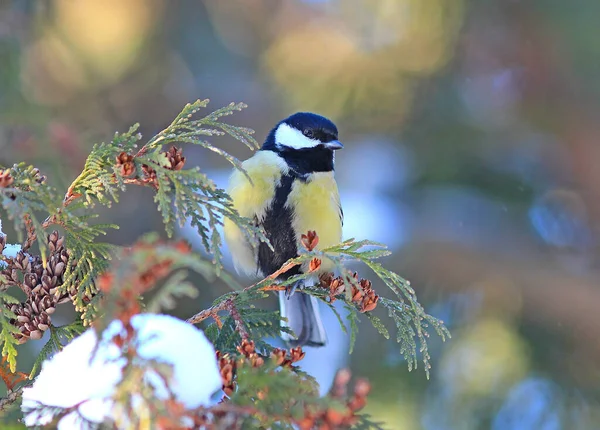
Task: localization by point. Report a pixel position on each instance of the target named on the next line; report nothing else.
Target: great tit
(293, 190)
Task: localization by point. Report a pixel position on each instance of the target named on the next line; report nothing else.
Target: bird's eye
(308, 133)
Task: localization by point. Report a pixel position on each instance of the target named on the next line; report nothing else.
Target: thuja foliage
(63, 261)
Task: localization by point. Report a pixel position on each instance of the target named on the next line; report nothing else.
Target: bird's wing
(251, 200)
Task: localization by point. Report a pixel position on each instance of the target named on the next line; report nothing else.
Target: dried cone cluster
(285, 358)
(149, 173)
(310, 240)
(125, 164)
(335, 418)
(40, 285)
(247, 349)
(227, 369)
(175, 158)
(363, 294)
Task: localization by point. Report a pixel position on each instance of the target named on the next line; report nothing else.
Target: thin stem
(228, 305)
(11, 397)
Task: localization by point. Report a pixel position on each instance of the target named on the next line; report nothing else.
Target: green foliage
(262, 324)
(28, 197)
(175, 287)
(9, 343)
(103, 288)
(91, 256)
(181, 194)
(291, 393)
(98, 182)
(142, 268)
(259, 323)
(225, 338)
(186, 129)
(189, 194)
(411, 321)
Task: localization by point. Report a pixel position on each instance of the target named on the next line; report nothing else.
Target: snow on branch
(91, 381)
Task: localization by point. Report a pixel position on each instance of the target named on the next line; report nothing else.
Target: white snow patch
(10, 250)
(71, 377)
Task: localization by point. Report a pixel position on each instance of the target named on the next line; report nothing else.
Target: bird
(289, 189)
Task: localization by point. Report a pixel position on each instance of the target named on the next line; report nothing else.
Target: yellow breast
(316, 205)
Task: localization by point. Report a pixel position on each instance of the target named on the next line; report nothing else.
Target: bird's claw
(290, 290)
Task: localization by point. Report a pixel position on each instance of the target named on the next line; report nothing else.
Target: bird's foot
(291, 289)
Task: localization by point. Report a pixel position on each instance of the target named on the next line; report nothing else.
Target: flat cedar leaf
(378, 325)
(227, 338)
(9, 343)
(8, 299)
(351, 245)
(338, 316)
(366, 423)
(353, 319)
(211, 332)
(411, 320)
(69, 331)
(375, 253)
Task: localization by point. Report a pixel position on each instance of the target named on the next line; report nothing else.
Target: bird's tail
(303, 318)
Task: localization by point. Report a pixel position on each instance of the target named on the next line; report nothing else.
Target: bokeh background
(472, 149)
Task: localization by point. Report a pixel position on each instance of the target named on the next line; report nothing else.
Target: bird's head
(306, 141)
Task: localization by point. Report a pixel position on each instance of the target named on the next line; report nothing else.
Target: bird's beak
(334, 144)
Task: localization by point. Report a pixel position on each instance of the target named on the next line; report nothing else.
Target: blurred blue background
(472, 149)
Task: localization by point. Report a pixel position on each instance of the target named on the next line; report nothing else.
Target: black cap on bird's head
(306, 141)
(304, 131)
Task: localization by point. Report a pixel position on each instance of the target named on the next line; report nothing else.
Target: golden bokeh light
(52, 73)
(88, 44)
(361, 59)
(107, 34)
(485, 359)
(320, 68)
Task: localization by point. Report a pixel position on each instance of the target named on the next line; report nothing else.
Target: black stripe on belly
(278, 228)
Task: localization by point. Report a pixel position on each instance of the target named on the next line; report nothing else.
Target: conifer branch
(358, 295)
(73, 266)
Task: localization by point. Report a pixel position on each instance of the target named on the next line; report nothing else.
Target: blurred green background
(472, 133)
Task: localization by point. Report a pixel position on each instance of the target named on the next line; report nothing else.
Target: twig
(31, 236)
(228, 305)
(237, 318)
(136, 181)
(238, 411)
(11, 397)
(211, 312)
(281, 271)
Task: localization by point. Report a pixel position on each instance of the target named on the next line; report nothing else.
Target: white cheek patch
(286, 135)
